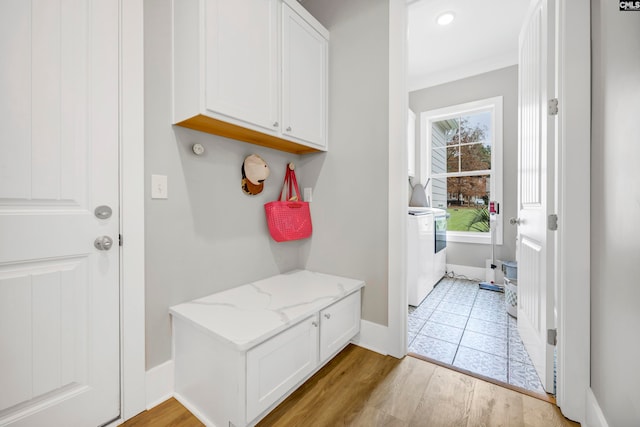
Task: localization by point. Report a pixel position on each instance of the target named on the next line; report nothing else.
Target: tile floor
(467, 327)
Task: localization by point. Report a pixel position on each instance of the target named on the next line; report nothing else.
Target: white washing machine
(420, 254)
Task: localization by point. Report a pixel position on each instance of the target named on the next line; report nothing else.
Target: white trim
(573, 202)
(398, 200)
(471, 273)
(159, 384)
(310, 19)
(373, 336)
(195, 411)
(132, 334)
(495, 106)
(594, 416)
(469, 237)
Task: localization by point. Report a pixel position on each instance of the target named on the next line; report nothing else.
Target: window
(464, 157)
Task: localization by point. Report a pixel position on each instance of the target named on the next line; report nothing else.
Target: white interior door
(536, 140)
(59, 295)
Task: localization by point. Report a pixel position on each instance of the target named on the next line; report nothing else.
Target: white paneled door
(536, 147)
(59, 293)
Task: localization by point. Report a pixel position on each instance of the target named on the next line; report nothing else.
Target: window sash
(465, 173)
(429, 118)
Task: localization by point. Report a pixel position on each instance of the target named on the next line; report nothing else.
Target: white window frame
(493, 105)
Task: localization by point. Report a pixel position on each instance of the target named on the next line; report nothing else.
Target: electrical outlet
(159, 187)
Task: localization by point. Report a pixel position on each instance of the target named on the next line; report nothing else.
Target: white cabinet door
(241, 60)
(338, 324)
(279, 364)
(304, 80)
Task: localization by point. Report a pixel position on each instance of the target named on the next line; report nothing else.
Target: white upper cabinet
(241, 70)
(304, 80)
(251, 70)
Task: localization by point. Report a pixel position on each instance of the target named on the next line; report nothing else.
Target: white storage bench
(240, 352)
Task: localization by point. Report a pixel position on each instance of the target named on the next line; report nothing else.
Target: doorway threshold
(545, 397)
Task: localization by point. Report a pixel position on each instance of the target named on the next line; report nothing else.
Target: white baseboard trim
(115, 423)
(471, 273)
(159, 384)
(372, 336)
(194, 411)
(594, 415)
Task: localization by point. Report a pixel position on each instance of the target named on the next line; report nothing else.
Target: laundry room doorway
(466, 105)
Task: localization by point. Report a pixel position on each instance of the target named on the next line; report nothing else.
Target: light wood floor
(362, 388)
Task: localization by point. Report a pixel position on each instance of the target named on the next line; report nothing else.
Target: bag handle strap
(292, 176)
(291, 184)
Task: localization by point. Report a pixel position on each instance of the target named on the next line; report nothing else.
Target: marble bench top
(249, 314)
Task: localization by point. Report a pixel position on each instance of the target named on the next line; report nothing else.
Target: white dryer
(420, 254)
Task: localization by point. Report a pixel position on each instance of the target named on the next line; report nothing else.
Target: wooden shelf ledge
(218, 127)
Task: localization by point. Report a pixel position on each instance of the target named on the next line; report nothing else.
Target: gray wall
(208, 236)
(615, 213)
(503, 82)
(351, 181)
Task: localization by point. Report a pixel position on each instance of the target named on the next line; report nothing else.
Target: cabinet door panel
(338, 324)
(277, 365)
(241, 60)
(304, 77)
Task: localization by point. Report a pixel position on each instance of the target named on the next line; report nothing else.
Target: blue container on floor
(510, 269)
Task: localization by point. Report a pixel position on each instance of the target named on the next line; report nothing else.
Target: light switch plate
(159, 187)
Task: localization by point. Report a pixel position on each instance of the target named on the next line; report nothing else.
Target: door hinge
(552, 222)
(552, 336)
(552, 107)
(119, 239)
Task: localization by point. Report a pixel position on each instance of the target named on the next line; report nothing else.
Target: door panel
(241, 64)
(304, 65)
(531, 298)
(535, 188)
(59, 295)
(338, 324)
(277, 365)
(41, 304)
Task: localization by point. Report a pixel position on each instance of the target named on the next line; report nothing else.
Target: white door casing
(59, 295)
(536, 141)
(574, 118)
(573, 195)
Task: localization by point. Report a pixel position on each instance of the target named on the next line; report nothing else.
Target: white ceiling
(483, 37)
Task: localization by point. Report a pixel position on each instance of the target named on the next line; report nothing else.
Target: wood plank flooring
(362, 388)
(168, 413)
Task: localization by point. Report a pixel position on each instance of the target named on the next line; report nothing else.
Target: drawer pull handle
(314, 323)
(327, 315)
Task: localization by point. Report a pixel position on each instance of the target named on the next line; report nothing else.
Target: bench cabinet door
(339, 323)
(280, 364)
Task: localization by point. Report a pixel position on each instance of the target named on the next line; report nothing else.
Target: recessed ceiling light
(445, 18)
